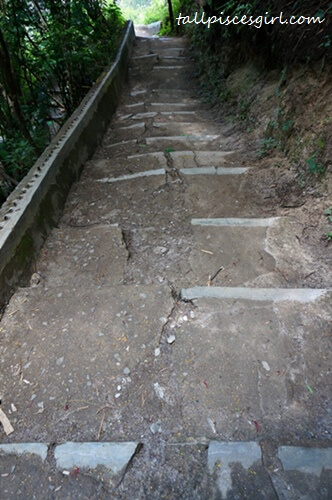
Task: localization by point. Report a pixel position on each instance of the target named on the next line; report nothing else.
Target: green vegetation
(328, 213)
(315, 166)
(150, 11)
(51, 52)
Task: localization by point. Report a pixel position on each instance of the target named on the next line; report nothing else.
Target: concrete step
(171, 107)
(211, 162)
(133, 198)
(116, 133)
(163, 143)
(83, 257)
(88, 349)
(157, 128)
(170, 116)
(219, 258)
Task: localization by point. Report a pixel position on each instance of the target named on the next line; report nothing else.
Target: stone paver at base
(308, 460)
(114, 456)
(223, 456)
(39, 449)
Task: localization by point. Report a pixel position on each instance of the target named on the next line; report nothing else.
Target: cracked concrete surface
(101, 346)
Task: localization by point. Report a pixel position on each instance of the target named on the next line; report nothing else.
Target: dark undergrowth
(51, 53)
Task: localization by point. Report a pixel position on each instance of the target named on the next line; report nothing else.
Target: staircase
(162, 319)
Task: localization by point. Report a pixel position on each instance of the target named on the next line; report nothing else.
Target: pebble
(266, 366)
(59, 361)
(117, 395)
(126, 371)
(157, 351)
(155, 427)
(171, 339)
(160, 250)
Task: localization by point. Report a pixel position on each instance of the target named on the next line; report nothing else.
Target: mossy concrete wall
(35, 206)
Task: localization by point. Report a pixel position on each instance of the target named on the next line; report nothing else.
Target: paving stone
(308, 460)
(39, 449)
(113, 456)
(223, 456)
(239, 222)
(213, 171)
(268, 294)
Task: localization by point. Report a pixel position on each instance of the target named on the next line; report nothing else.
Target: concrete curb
(257, 294)
(36, 204)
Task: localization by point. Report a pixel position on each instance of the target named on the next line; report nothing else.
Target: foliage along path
(161, 316)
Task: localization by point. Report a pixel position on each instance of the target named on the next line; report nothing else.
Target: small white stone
(266, 366)
(157, 351)
(171, 339)
(117, 395)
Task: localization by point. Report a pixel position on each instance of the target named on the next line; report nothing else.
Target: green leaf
(310, 389)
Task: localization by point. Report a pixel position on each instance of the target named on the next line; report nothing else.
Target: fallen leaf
(310, 389)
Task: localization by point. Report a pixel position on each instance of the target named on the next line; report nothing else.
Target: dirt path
(168, 311)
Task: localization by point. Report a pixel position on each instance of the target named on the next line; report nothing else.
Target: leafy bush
(50, 55)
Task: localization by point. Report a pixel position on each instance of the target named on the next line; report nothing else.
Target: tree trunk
(171, 15)
(13, 91)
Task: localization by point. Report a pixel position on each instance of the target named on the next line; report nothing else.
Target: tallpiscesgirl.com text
(256, 21)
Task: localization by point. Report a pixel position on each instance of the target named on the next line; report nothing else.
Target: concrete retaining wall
(35, 206)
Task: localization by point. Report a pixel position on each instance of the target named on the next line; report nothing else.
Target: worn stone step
(171, 51)
(171, 60)
(146, 106)
(240, 368)
(128, 132)
(207, 196)
(84, 353)
(146, 161)
(196, 171)
(170, 116)
(115, 167)
(159, 128)
(170, 67)
(146, 57)
(163, 143)
(83, 257)
(185, 138)
(191, 158)
(231, 256)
